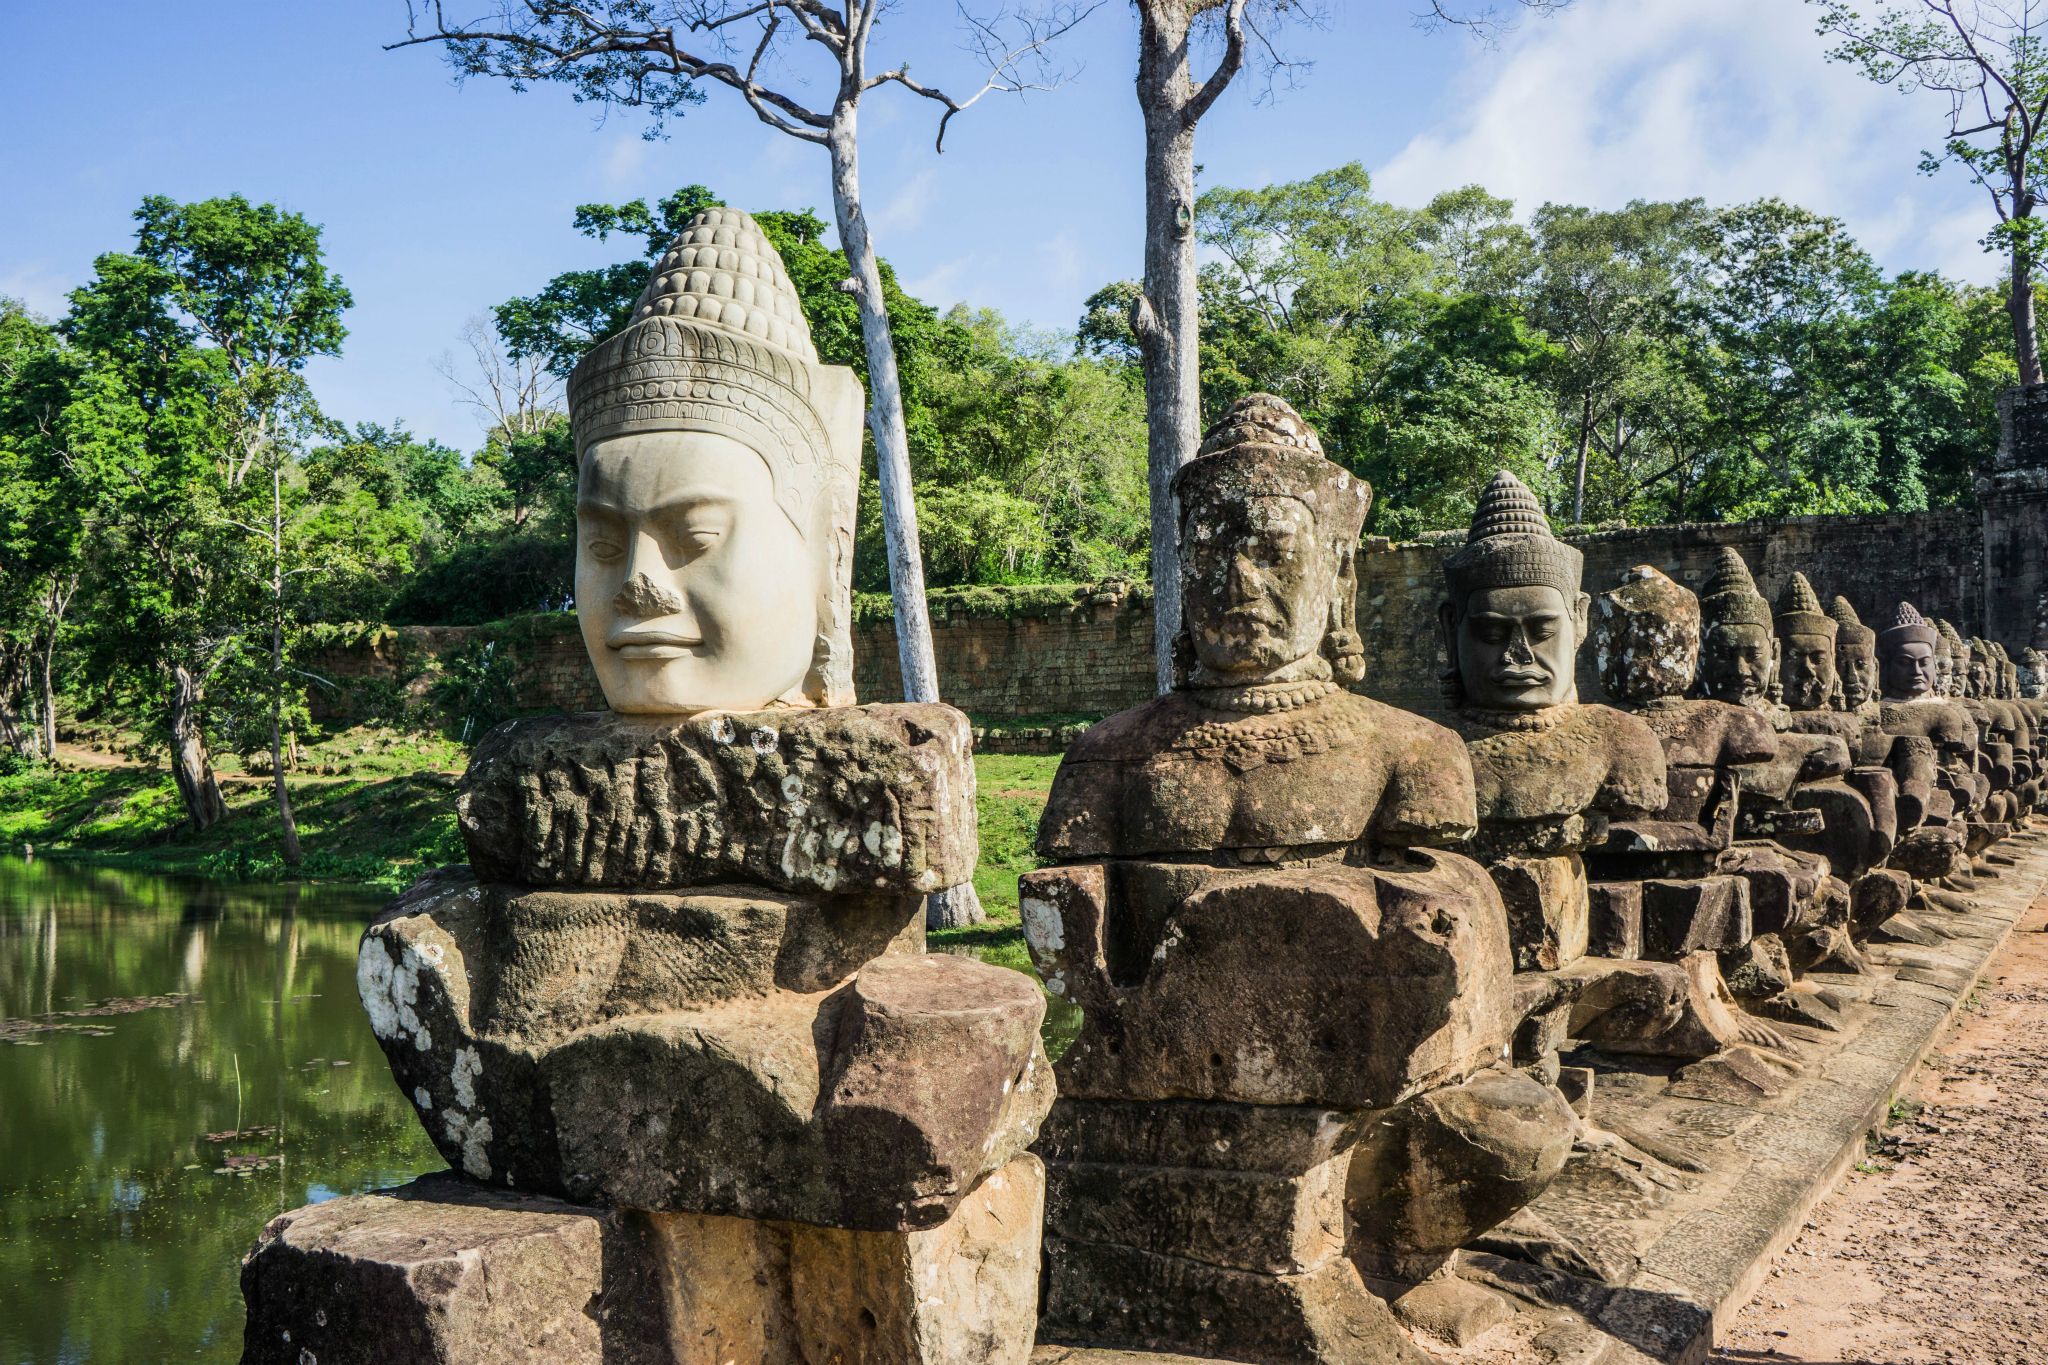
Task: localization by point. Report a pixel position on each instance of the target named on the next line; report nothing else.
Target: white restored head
(718, 462)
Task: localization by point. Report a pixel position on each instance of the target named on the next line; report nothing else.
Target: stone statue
(1914, 668)
(1664, 871)
(1551, 772)
(1286, 997)
(684, 974)
(1738, 652)
(2033, 674)
(1855, 660)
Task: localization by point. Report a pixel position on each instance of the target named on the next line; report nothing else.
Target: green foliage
(487, 579)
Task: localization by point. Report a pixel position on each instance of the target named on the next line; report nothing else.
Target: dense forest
(178, 515)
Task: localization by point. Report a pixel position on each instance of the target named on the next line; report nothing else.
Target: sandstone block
(442, 1272)
(875, 798)
(1438, 1170)
(1117, 1296)
(1614, 919)
(1705, 915)
(1547, 909)
(1326, 984)
(876, 1103)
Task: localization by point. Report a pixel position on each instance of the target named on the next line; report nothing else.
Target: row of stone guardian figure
(1326, 953)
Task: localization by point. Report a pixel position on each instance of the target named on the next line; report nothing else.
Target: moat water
(180, 1061)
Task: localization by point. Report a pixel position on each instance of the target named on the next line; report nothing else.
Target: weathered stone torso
(1173, 777)
(1551, 790)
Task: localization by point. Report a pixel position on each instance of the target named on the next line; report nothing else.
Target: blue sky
(439, 201)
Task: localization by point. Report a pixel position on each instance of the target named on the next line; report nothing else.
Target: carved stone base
(1547, 909)
(446, 1272)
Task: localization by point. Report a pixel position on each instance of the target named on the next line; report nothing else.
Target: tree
(1605, 288)
(204, 330)
(629, 53)
(1987, 58)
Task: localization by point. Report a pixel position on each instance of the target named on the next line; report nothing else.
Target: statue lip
(653, 644)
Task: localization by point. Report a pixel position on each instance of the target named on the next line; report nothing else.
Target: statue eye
(695, 540)
(604, 551)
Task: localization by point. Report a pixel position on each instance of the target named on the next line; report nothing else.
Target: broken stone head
(1515, 616)
(1270, 535)
(1646, 637)
(2033, 674)
(717, 465)
(1855, 656)
(1806, 643)
(1739, 659)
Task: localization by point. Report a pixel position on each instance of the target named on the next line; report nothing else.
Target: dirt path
(1937, 1252)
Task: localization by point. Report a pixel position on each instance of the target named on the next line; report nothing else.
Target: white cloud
(906, 209)
(940, 286)
(39, 287)
(625, 162)
(1730, 100)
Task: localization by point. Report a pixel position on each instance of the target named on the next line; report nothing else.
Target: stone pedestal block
(1710, 914)
(1614, 920)
(1321, 984)
(445, 1272)
(1547, 909)
(1206, 1228)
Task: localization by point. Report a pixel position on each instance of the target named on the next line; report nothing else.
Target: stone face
(1646, 637)
(871, 798)
(1359, 987)
(862, 1094)
(718, 468)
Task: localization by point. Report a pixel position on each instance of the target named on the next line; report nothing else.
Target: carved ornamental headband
(718, 343)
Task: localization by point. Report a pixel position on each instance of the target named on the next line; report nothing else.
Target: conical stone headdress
(1849, 623)
(718, 343)
(1510, 546)
(1908, 627)
(1799, 610)
(1951, 643)
(1730, 597)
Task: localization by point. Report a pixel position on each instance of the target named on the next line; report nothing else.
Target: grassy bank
(376, 809)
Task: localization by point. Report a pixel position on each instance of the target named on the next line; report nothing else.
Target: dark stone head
(1515, 616)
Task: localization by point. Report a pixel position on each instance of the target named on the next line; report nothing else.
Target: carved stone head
(1951, 661)
(1983, 669)
(1908, 654)
(718, 464)
(2033, 673)
(1516, 615)
(1855, 655)
(2005, 672)
(1806, 647)
(1646, 637)
(1268, 554)
(1738, 653)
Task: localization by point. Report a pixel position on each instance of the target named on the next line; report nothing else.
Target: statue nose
(642, 596)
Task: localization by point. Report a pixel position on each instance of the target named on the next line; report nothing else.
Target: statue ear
(1447, 627)
(1582, 615)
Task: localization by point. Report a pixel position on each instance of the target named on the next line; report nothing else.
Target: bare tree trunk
(47, 687)
(190, 767)
(286, 821)
(1166, 317)
(1585, 446)
(954, 906)
(2019, 303)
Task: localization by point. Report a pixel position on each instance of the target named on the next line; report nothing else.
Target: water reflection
(119, 1242)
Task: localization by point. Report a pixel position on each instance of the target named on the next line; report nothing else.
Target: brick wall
(1088, 650)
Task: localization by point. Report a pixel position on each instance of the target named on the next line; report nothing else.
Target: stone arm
(1637, 782)
(1429, 800)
